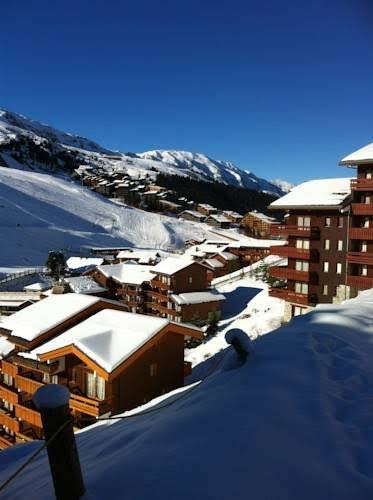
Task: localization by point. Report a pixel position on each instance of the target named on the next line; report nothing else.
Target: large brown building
(360, 233)
(316, 227)
(258, 225)
(110, 360)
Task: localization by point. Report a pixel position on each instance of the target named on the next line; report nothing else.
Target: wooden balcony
(122, 292)
(362, 184)
(292, 252)
(160, 285)
(360, 282)
(89, 406)
(28, 415)
(285, 273)
(9, 368)
(362, 208)
(6, 441)
(162, 309)
(289, 296)
(360, 258)
(8, 393)
(27, 384)
(361, 233)
(158, 295)
(9, 421)
(294, 230)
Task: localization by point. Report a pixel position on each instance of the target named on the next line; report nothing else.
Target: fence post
(52, 400)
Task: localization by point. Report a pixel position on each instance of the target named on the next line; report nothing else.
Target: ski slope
(41, 212)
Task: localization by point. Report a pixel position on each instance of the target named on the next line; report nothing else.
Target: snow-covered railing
(25, 272)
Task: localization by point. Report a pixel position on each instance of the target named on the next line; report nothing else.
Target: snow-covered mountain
(28, 144)
(41, 212)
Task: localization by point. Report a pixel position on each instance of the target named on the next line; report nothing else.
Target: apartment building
(360, 233)
(316, 227)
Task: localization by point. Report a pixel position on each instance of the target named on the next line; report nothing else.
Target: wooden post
(52, 400)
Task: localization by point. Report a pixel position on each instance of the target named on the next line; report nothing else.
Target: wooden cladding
(361, 282)
(8, 394)
(289, 296)
(362, 208)
(293, 252)
(294, 230)
(9, 421)
(28, 385)
(9, 368)
(28, 415)
(89, 406)
(360, 233)
(361, 184)
(291, 274)
(360, 258)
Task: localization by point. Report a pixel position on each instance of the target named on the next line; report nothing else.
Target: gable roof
(172, 265)
(110, 337)
(197, 297)
(133, 274)
(33, 321)
(360, 156)
(320, 193)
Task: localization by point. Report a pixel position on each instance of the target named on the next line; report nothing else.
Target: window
(46, 378)
(325, 290)
(367, 200)
(301, 265)
(326, 266)
(301, 287)
(366, 222)
(95, 386)
(305, 244)
(364, 270)
(340, 221)
(8, 379)
(8, 406)
(190, 279)
(364, 246)
(304, 221)
(153, 369)
(327, 245)
(368, 175)
(328, 221)
(339, 268)
(340, 245)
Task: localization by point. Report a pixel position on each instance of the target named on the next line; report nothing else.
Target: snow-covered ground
(293, 422)
(41, 212)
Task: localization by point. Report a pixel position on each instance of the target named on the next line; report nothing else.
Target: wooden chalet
(258, 225)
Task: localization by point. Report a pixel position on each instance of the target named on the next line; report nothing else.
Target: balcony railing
(27, 384)
(160, 285)
(90, 406)
(9, 421)
(6, 441)
(291, 274)
(161, 309)
(292, 252)
(28, 415)
(9, 368)
(362, 184)
(360, 233)
(289, 296)
(157, 295)
(361, 282)
(8, 393)
(294, 230)
(360, 258)
(362, 208)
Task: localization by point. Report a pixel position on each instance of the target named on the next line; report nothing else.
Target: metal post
(52, 400)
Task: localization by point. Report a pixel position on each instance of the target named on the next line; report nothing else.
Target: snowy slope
(28, 144)
(294, 422)
(40, 212)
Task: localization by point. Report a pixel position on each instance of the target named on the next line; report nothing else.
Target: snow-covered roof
(48, 313)
(361, 156)
(264, 217)
(320, 193)
(219, 218)
(193, 213)
(232, 213)
(213, 263)
(128, 273)
(172, 265)
(5, 346)
(82, 262)
(84, 284)
(206, 206)
(143, 256)
(37, 287)
(109, 337)
(197, 297)
(228, 256)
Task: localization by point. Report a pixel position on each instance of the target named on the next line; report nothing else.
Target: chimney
(60, 287)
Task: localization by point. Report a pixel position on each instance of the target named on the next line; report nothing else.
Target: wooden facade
(258, 225)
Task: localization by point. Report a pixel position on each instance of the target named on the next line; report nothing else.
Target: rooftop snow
(359, 157)
(108, 337)
(81, 262)
(128, 273)
(317, 193)
(197, 297)
(84, 284)
(263, 217)
(143, 256)
(40, 317)
(213, 263)
(172, 265)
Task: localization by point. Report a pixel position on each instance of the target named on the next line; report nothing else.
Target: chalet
(251, 250)
(111, 361)
(139, 255)
(206, 209)
(258, 225)
(234, 217)
(360, 232)
(317, 229)
(218, 221)
(197, 307)
(191, 215)
(126, 282)
(169, 206)
(215, 268)
(11, 302)
(175, 276)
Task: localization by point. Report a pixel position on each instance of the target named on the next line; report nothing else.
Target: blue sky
(282, 88)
